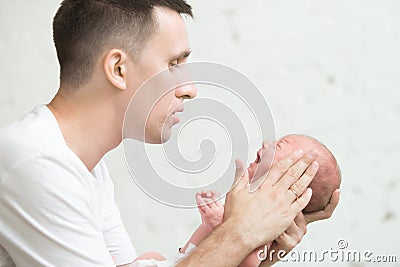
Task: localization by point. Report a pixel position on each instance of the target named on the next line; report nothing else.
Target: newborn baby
(325, 182)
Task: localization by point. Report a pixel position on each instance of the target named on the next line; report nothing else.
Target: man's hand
(265, 214)
(288, 240)
(295, 233)
(327, 212)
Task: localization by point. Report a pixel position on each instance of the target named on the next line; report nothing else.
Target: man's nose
(187, 91)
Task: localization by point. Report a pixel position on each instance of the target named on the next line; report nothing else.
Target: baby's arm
(211, 211)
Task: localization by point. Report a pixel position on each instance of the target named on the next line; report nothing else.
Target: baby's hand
(211, 210)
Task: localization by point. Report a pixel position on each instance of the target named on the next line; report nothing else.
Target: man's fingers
(282, 166)
(291, 229)
(298, 188)
(301, 222)
(327, 212)
(302, 202)
(239, 171)
(302, 183)
(294, 234)
(241, 176)
(287, 242)
(296, 171)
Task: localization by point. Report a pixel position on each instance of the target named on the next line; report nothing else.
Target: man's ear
(115, 68)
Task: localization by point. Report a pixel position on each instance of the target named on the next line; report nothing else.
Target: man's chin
(166, 131)
(157, 135)
(159, 139)
(165, 136)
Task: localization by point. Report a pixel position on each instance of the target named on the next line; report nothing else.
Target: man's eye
(173, 63)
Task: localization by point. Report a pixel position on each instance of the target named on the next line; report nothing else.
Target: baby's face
(325, 181)
(262, 163)
(285, 146)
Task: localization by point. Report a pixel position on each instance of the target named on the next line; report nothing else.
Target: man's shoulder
(33, 135)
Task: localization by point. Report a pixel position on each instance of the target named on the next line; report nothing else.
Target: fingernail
(312, 154)
(298, 153)
(309, 191)
(265, 144)
(238, 164)
(314, 166)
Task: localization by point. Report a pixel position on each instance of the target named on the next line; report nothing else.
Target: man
(56, 196)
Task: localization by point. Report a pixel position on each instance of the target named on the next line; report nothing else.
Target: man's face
(168, 46)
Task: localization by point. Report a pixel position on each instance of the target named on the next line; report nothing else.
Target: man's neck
(91, 127)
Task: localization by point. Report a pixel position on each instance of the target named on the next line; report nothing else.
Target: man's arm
(199, 235)
(223, 247)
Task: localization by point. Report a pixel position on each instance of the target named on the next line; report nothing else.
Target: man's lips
(180, 108)
(174, 116)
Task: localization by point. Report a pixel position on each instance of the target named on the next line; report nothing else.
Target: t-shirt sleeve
(117, 239)
(115, 235)
(47, 217)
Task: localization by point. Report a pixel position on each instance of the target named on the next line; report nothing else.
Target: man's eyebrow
(183, 54)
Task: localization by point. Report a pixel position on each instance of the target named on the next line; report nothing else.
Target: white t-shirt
(53, 211)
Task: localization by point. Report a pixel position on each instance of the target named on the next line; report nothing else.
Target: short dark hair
(83, 29)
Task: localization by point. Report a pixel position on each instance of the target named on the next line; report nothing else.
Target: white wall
(328, 68)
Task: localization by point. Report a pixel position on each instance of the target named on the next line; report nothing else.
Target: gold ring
(294, 193)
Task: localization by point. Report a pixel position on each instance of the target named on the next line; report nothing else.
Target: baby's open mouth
(258, 159)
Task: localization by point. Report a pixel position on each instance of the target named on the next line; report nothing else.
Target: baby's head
(328, 177)
(325, 182)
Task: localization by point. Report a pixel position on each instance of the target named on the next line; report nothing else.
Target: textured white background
(328, 68)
